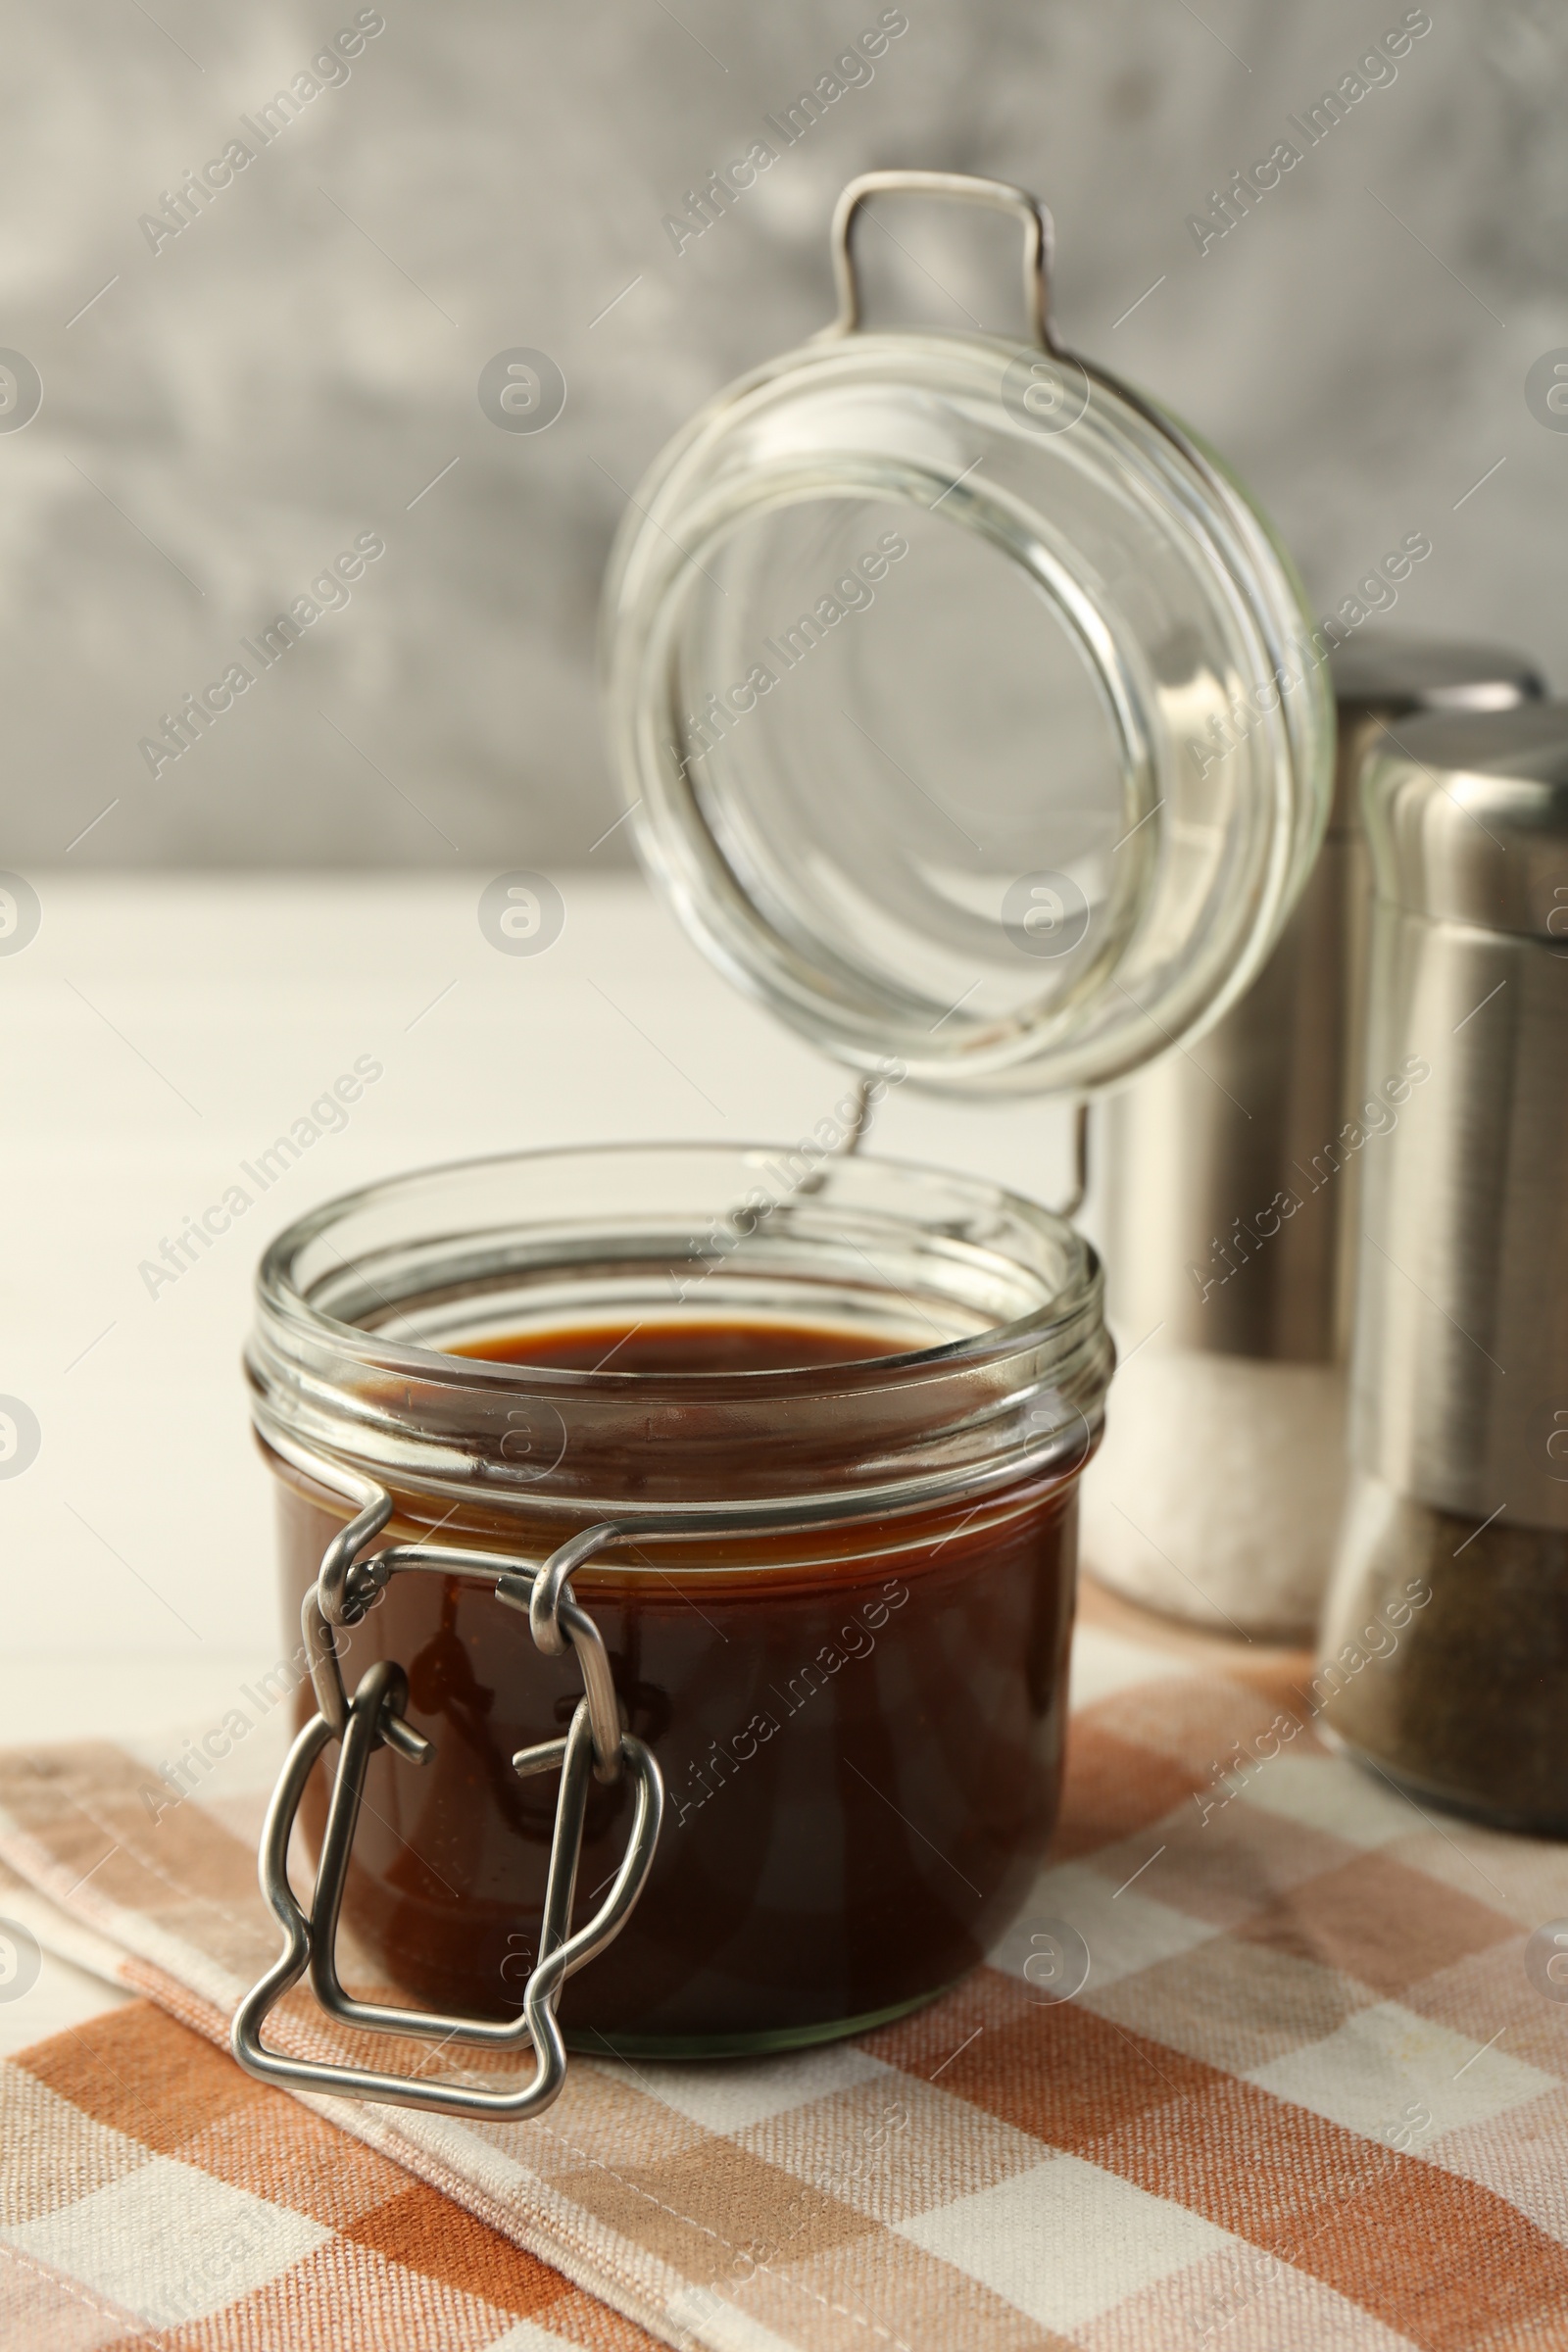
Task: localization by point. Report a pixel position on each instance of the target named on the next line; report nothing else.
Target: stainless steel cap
(1387, 671)
(1467, 818)
(1211, 1137)
(1383, 676)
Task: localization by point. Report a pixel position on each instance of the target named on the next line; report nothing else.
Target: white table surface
(161, 1029)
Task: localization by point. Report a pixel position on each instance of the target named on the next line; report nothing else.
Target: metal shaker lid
(1390, 672)
(1385, 675)
(1467, 817)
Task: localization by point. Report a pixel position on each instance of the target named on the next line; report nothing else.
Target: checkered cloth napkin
(1313, 2093)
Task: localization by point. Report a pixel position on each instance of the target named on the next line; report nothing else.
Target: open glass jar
(837, 1609)
(703, 1522)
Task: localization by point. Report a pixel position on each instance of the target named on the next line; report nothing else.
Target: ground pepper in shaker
(1232, 1176)
(1446, 1640)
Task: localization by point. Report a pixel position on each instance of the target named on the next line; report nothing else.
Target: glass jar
(856, 1701)
(972, 717)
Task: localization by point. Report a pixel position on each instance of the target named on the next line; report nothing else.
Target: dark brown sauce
(671, 1349)
(861, 1746)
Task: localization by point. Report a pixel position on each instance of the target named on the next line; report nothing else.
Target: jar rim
(277, 1291)
(417, 1414)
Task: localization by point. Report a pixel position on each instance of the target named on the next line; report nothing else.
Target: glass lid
(968, 708)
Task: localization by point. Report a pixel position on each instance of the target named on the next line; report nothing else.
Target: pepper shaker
(1446, 1638)
(1232, 1179)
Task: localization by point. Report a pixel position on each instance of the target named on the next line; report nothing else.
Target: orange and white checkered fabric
(155, 2195)
(1313, 2093)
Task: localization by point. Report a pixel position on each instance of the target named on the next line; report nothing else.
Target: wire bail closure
(595, 1746)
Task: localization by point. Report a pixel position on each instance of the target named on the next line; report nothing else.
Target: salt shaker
(1445, 1653)
(1232, 1181)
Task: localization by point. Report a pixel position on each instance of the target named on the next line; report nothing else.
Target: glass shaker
(1445, 1651)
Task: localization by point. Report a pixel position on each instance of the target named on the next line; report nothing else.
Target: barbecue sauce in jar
(859, 1730)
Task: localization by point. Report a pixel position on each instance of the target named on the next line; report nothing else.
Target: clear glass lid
(968, 708)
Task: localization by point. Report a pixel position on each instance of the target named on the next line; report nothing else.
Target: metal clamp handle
(595, 1744)
(999, 194)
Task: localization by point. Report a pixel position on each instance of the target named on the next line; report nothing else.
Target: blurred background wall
(236, 387)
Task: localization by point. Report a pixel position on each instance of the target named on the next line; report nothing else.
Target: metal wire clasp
(595, 1744)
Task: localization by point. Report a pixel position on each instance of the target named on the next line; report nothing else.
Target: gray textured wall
(292, 367)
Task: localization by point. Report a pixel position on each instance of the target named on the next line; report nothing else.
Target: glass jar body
(857, 1714)
(861, 1761)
